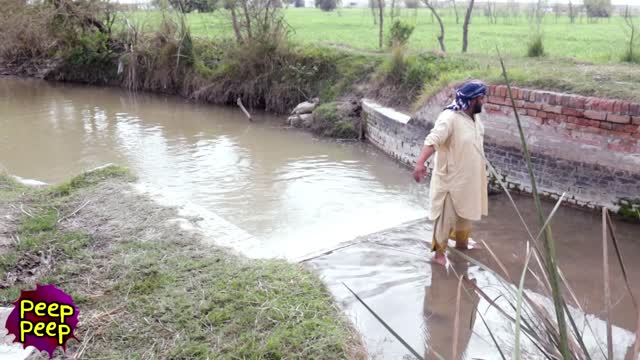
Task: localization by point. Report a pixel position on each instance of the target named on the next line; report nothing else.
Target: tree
(455, 10)
(572, 13)
(465, 26)
(435, 14)
(381, 22)
(259, 20)
(326, 5)
(187, 6)
(598, 8)
(628, 19)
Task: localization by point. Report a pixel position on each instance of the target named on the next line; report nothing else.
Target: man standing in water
(459, 183)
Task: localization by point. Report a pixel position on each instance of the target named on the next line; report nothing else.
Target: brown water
(276, 192)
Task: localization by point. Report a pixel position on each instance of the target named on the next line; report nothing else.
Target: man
(459, 183)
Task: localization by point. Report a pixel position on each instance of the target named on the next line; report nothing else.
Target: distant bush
(631, 57)
(598, 8)
(536, 46)
(327, 5)
(411, 4)
(188, 6)
(400, 33)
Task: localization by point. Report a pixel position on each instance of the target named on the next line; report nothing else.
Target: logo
(44, 318)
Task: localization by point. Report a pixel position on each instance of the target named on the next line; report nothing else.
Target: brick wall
(574, 117)
(584, 146)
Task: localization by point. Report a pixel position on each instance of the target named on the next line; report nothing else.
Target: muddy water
(293, 192)
(289, 194)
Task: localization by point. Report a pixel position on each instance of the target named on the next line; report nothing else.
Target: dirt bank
(148, 288)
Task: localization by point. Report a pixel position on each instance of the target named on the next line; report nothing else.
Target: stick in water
(244, 110)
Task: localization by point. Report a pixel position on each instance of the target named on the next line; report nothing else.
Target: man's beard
(477, 108)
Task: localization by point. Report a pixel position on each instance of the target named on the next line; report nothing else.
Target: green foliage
(411, 4)
(327, 5)
(598, 8)
(536, 46)
(400, 33)
(91, 48)
(91, 178)
(334, 120)
(187, 6)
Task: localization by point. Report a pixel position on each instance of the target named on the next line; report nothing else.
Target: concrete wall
(586, 147)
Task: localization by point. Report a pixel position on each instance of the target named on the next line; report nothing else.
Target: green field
(601, 42)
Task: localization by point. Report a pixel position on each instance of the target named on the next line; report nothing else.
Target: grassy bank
(147, 289)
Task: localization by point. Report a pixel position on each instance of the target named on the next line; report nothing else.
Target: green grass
(601, 42)
(171, 298)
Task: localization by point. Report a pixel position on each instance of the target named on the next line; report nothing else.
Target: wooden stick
(239, 102)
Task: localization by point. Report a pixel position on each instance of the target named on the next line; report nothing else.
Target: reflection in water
(442, 310)
(296, 194)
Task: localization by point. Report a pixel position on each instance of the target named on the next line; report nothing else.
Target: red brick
(625, 128)
(559, 99)
(497, 100)
(532, 112)
(635, 120)
(572, 126)
(552, 122)
(626, 106)
(549, 98)
(621, 148)
(590, 104)
(634, 109)
(525, 94)
(606, 125)
(534, 106)
(542, 115)
(595, 115)
(491, 107)
(617, 107)
(636, 135)
(562, 118)
(572, 112)
(573, 119)
(491, 90)
(619, 119)
(502, 91)
(566, 100)
(552, 109)
(533, 95)
(592, 130)
(581, 102)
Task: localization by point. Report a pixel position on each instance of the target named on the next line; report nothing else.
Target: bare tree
(255, 19)
(381, 22)
(372, 4)
(393, 8)
(628, 19)
(465, 26)
(572, 13)
(455, 10)
(435, 14)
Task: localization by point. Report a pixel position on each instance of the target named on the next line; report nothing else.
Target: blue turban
(465, 94)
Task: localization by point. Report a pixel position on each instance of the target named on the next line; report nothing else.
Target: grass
(171, 298)
(580, 58)
(601, 42)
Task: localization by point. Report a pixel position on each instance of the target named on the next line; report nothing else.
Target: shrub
(598, 8)
(327, 5)
(187, 6)
(400, 33)
(411, 4)
(536, 46)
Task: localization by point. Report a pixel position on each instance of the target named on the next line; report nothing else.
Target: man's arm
(420, 170)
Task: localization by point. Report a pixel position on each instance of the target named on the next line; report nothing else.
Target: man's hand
(419, 172)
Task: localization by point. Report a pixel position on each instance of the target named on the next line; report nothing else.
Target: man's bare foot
(441, 259)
